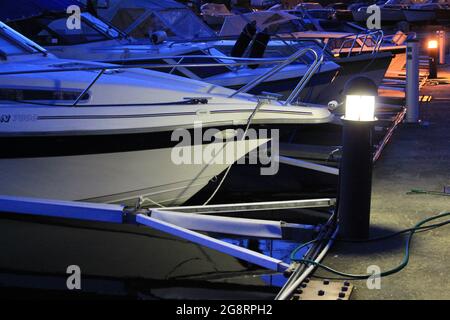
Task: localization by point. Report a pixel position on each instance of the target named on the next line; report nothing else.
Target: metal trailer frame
(204, 216)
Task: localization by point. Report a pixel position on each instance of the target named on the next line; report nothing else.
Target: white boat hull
(119, 177)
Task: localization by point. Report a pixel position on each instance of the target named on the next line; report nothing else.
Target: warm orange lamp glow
(432, 44)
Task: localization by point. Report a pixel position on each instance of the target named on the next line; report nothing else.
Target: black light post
(433, 51)
(355, 185)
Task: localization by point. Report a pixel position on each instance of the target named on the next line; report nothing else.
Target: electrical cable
(394, 270)
(380, 238)
(314, 252)
(249, 122)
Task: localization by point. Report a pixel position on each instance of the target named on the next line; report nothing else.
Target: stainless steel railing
(309, 73)
(376, 37)
(279, 63)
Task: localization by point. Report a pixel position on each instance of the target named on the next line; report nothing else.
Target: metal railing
(280, 63)
(301, 84)
(376, 37)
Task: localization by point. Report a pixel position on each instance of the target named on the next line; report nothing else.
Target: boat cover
(11, 10)
(138, 17)
(233, 25)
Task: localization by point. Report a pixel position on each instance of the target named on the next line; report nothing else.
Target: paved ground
(416, 158)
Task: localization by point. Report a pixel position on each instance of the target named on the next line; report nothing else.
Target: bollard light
(434, 56)
(355, 181)
(432, 44)
(360, 108)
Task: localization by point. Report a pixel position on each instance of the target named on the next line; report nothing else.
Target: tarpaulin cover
(141, 17)
(11, 10)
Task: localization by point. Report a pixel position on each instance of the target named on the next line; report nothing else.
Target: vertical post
(433, 52)
(442, 46)
(355, 186)
(412, 81)
(355, 173)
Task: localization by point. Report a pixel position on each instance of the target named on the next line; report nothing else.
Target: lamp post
(355, 184)
(433, 53)
(442, 46)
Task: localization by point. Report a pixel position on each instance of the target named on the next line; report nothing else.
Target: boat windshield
(106, 29)
(272, 22)
(13, 43)
(53, 30)
(178, 23)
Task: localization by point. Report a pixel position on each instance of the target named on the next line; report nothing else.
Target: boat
(367, 53)
(427, 11)
(391, 12)
(442, 9)
(316, 10)
(288, 25)
(103, 43)
(77, 130)
(342, 11)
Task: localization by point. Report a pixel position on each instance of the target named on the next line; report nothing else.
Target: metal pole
(434, 53)
(212, 243)
(355, 185)
(412, 81)
(275, 70)
(442, 46)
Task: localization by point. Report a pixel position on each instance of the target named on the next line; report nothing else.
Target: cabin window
(24, 94)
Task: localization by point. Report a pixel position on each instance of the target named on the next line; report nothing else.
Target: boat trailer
(190, 223)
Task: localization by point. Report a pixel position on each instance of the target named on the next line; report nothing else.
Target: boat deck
(416, 158)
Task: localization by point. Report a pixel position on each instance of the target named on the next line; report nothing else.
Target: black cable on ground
(405, 260)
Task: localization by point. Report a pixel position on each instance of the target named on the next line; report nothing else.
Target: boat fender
(158, 37)
(244, 40)
(259, 46)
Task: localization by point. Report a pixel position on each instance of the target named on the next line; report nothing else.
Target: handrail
(281, 63)
(305, 79)
(175, 68)
(88, 87)
(154, 66)
(276, 69)
(377, 37)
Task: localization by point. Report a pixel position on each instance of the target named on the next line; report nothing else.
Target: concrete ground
(418, 157)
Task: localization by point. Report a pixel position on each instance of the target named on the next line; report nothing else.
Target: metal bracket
(215, 244)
